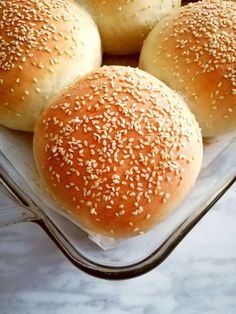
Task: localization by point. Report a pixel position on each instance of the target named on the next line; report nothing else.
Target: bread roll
(124, 24)
(194, 52)
(118, 151)
(44, 46)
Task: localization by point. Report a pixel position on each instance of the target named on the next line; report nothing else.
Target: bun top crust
(194, 52)
(44, 46)
(118, 150)
(123, 24)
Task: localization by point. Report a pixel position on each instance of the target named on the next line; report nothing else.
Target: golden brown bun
(44, 46)
(123, 24)
(194, 52)
(118, 151)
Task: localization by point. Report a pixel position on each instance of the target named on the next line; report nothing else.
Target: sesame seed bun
(194, 52)
(118, 151)
(45, 45)
(123, 24)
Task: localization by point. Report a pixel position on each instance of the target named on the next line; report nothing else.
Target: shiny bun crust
(123, 24)
(44, 46)
(118, 151)
(194, 52)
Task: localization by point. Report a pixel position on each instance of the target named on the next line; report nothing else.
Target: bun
(124, 24)
(118, 151)
(194, 52)
(45, 45)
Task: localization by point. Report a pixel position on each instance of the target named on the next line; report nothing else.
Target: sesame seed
(122, 212)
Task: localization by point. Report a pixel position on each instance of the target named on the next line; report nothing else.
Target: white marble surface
(199, 276)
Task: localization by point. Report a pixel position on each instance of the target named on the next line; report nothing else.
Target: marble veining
(198, 277)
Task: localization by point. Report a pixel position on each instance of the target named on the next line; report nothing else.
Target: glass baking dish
(122, 259)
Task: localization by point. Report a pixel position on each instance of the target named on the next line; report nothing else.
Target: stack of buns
(116, 147)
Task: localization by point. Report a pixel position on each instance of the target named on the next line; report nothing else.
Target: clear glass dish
(126, 259)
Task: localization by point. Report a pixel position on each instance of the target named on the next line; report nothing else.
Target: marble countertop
(198, 277)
